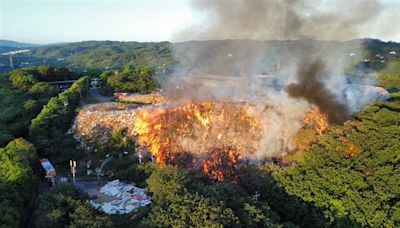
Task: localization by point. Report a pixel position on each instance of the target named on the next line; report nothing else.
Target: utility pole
(257, 195)
(53, 181)
(72, 164)
(11, 62)
(140, 155)
(80, 93)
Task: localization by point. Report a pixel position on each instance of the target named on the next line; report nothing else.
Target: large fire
(219, 133)
(198, 128)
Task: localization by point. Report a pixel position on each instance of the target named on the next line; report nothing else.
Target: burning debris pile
(206, 129)
(214, 136)
(197, 128)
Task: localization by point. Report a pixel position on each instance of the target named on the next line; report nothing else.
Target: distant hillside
(115, 55)
(107, 54)
(15, 44)
(7, 49)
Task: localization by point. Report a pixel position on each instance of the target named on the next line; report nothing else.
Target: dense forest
(348, 177)
(31, 108)
(114, 55)
(24, 92)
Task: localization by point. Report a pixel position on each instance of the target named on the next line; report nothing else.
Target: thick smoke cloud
(259, 20)
(241, 45)
(289, 19)
(311, 88)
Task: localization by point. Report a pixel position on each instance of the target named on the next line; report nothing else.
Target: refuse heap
(128, 198)
(152, 98)
(97, 122)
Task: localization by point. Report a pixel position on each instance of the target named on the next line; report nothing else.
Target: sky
(53, 21)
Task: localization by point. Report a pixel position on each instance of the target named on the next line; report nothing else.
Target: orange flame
(203, 128)
(196, 128)
(316, 118)
(352, 149)
(223, 164)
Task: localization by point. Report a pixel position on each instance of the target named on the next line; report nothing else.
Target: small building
(95, 83)
(50, 172)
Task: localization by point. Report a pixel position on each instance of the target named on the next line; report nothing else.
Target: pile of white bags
(128, 197)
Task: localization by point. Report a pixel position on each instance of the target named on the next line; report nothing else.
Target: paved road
(92, 188)
(95, 93)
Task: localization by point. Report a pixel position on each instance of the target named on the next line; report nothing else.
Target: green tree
(9, 215)
(14, 162)
(19, 106)
(389, 77)
(167, 181)
(352, 173)
(48, 129)
(17, 181)
(138, 78)
(42, 89)
(22, 80)
(249, 212)
(67, 206)
(190, 210)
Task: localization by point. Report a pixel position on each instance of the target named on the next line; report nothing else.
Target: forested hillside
(105, 55)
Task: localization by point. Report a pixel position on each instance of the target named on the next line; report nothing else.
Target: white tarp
(128, 197)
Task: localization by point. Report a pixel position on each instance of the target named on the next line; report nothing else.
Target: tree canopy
(353, 170)
(23, 96)
(138, 78)
(17, 181)
(67, 206)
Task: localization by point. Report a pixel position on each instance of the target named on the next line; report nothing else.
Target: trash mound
(128, 198)
(96, 123)
(110, 106)
(152, 98)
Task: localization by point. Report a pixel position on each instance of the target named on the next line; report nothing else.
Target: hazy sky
(40, 21)
(51, 21)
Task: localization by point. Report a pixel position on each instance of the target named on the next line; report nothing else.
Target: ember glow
(219, 133)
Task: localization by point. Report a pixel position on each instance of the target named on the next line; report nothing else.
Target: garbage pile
(128, 198)
(96, 123)
(152, 98)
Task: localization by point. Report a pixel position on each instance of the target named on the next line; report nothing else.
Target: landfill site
(150, 122)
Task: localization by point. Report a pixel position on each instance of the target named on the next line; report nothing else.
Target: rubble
(97, 122)
(153, 98)
(128, 198)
